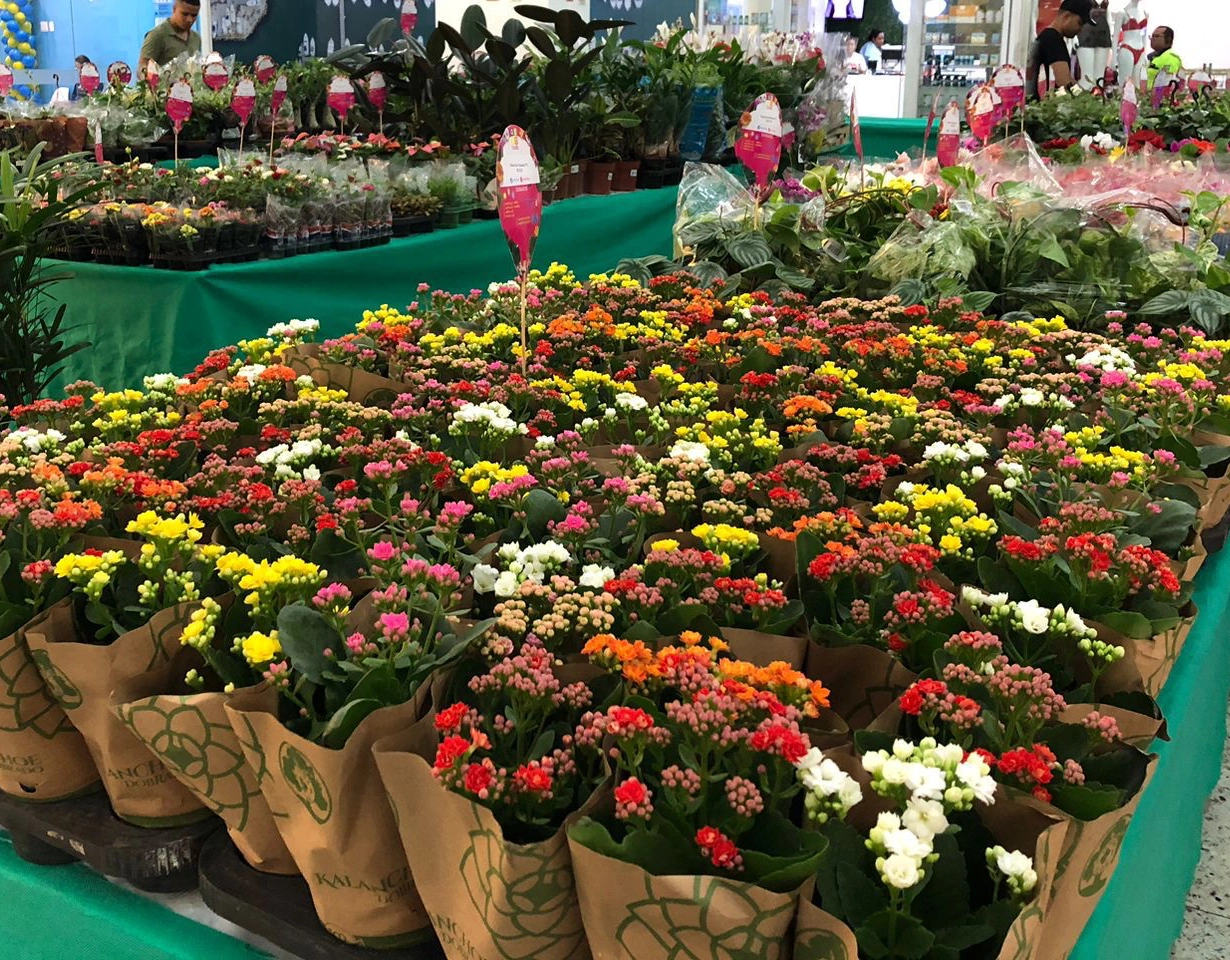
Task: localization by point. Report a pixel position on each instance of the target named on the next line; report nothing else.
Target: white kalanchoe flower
(595, 576)
(1015, 867)
(690, 450)
(898, 871)
(830, 790)
(1035, 618)
(631, 402)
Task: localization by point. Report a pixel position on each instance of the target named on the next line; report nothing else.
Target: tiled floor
(1206, 932)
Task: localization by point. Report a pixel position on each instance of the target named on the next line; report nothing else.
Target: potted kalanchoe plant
(350, 670)
(485, 790)
(123, 621)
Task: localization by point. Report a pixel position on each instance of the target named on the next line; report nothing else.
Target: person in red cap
(1050, 61)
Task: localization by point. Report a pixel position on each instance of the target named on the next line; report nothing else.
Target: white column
(915, 42)
(1019, 20)
(205, 23)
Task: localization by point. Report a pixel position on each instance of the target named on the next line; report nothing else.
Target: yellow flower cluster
(483, 474)
(202, 626)
(91, 573)
(727, 540)
(259, 648)
(152, 526)
(389, 316)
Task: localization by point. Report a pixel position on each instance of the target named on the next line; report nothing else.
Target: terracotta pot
(598, 177)
(625, 176)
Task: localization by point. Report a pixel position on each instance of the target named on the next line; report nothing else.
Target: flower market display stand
(178, 317)
(1139, 917)
(162, 860)
(280, 909)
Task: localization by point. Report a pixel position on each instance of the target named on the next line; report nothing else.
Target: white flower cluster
(492, 417)
(931, 780)
(294, 461)
(293, 329)
(1102, 140)
(521, 564)
(1015, 867)
(831, 792)
(955, 453)
(690, 450)
(930, 771)
(1032, 397)
(36, 441)
(631, 402)
(1029, 615)
(595, 576)
(162, 383)
(1106, 357)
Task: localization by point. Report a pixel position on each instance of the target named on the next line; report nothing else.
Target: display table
(141, 320)
(1139, 917)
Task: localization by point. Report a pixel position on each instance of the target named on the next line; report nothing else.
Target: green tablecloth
(1139, 917)
(885, 138)
(140, 320)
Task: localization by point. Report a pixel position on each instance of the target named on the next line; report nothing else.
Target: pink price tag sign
(89, 77)
(1198, 81)
(409, 16)
(982, 113)
(341, 95)
(1129, 109)
(215, 75)
(244, 100)
(517, 182)
(1009, 82)
(948, 146)
(179, 104)
(265, 67)
(6, 79)
(278, 96)
(377, 90)
(119, 74)
(759, 142)
(152, 74)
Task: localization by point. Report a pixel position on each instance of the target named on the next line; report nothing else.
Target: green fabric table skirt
(141, 320)
(1141, 914)
(885, 138)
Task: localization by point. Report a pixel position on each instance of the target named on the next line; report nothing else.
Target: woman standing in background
(871, 49)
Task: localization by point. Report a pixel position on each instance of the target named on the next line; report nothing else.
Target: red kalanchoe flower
(718, 848)
(449, 719)
(450, 751)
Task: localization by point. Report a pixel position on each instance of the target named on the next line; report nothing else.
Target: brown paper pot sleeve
(864, 681)
(1079, 875)
(486, 897)
(331, 810)
(631, 915)
(42, 756)
(192, 736)
(1148, 663)
(81, 676)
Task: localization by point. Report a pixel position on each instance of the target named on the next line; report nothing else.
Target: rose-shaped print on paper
(206, 754)
(1102, 862)
(25, 703)
(719, 920)
(63, 689)
(821, 945)
(305, 782)
(526, 898)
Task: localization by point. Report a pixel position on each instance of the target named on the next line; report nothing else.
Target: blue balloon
(24, 90)
(27, 9)
(21, 36)
(28, 61)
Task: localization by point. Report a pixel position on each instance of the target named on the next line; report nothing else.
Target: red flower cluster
(718, 849)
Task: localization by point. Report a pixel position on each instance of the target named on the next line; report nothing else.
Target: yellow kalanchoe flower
(260, 648)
